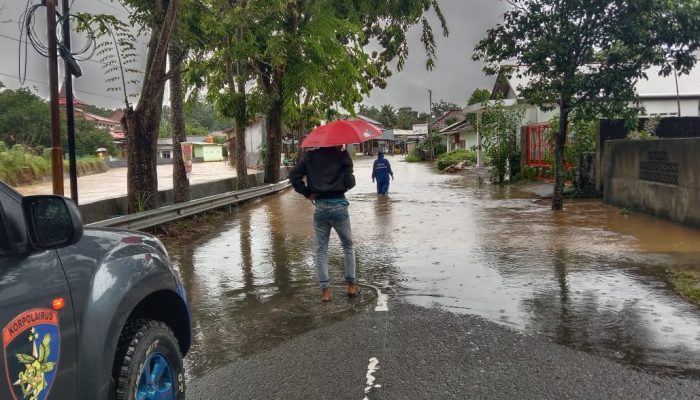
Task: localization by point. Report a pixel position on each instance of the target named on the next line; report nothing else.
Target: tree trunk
(274, 139)
(559, 143)
(181, 184)
(141, 124)
(142, 174)
(241, 124)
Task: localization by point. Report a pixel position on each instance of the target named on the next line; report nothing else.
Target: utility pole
(430, 120)
(70, 121)
(56, 152)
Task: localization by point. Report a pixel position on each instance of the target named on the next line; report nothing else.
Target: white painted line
(371, 369)
(382, 302)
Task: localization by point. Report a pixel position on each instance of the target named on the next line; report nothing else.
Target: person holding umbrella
(381, 170)
(328, 170)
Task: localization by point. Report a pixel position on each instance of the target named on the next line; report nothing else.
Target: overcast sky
(453, 79)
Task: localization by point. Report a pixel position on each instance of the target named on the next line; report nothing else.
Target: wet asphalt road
(430, 354)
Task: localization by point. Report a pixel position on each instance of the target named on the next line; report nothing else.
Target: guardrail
(170, 213)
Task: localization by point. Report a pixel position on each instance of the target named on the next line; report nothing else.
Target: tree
(24, 119)
(499, 127)
(181, 183)
(405, 118)
(141, 122)
(223, 65)
(88, 138)
(387, 116)
(441, 107)
(585, 56)
(317, 48)
(479, 96)
(370, 112)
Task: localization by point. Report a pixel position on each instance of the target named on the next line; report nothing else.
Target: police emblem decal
(31, 344)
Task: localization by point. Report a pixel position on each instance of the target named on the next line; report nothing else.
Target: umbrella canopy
(341, 132)
(101, 149)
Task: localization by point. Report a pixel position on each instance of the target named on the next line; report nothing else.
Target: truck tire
(148, 361)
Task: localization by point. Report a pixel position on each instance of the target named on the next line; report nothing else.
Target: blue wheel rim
(156, 380)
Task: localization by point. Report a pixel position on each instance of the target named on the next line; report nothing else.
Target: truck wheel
(148, 364)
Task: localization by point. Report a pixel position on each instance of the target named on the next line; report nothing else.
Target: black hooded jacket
(328, 172)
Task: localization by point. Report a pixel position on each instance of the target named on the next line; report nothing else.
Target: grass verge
(687, 283)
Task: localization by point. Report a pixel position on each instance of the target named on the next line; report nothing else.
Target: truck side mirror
(52, 221)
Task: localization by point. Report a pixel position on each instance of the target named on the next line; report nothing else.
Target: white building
(658, 95)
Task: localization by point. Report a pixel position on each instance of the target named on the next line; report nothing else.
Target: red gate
(538, 145)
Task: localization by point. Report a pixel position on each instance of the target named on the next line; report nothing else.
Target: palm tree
(387, 116)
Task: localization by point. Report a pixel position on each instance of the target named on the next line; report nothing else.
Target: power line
(77, 90)
(87, 59)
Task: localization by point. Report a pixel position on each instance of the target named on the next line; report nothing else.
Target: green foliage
(388, 116)
(581, 135)
(22, 166)
(479, 96)
(686, 283)
(499, 127)
(24, 118)
(440, 108)
(648, 131)
(88, 138)
(405, 118)
(413, 157)
(432, 139)
(456, 157)
(527, 173)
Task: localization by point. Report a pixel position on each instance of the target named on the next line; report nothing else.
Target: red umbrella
(341, 132)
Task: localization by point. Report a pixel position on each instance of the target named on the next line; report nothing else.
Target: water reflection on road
(589, 277)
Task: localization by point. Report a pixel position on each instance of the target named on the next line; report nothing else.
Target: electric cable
(29, 36)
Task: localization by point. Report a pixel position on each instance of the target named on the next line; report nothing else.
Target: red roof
(62, 98)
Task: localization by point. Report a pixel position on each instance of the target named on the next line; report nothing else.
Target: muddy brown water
(590, 277)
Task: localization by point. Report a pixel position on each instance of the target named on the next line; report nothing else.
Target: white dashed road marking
(371, 369)
(382, 302)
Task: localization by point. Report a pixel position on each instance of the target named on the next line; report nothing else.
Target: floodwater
(591, 277)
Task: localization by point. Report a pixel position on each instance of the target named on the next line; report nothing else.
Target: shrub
(413, 157)
(455, 157)
(527, 173)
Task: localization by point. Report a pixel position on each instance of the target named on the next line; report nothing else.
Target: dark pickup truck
(86, 313)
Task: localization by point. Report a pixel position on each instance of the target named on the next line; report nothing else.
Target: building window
(165, 154)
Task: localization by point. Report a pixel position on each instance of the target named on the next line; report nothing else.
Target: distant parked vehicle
(86, 313)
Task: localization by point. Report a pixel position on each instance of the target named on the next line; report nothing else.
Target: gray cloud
(454, 77)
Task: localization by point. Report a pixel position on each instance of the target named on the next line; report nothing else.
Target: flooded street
(591, 277)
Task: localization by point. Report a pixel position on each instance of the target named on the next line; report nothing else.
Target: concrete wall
(659, 177)
(669, 128)
(110, 208)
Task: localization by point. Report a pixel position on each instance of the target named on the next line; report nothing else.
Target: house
(446, 119)
(663, 96)
(79, 107)
(165, 146)
(460, 135)
(111, 123)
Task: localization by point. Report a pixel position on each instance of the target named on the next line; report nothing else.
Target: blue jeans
(333, 215)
